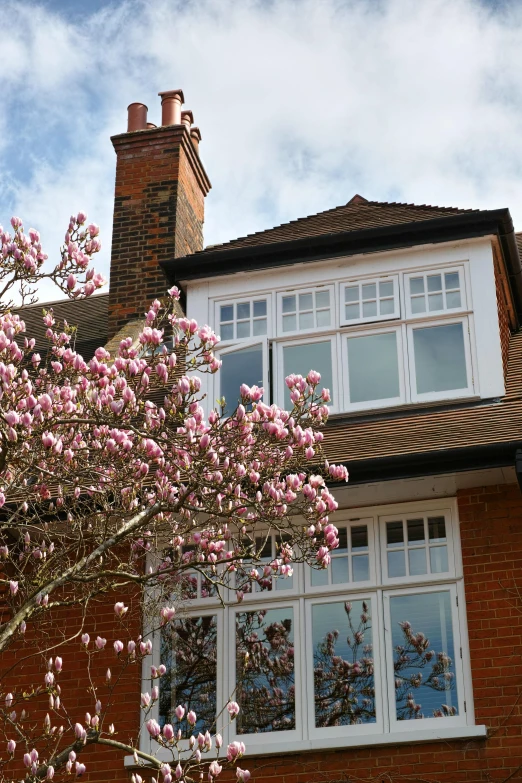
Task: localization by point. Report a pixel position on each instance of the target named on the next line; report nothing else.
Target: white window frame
(281, 594)
(443, 722)
(282, 738)
(425, 273)
(370, 404)
(234, 348)
(446, 512)
(380, 590)
(368, 584)
(280, 386)
(314, 329)
(360, 282)
(447, 394)
(218, 304)
(355, 730)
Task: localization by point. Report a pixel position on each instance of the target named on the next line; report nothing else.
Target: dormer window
(378, 341)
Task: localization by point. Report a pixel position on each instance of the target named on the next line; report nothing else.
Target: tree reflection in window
(265, 671)
(344, 684)
(189, 651)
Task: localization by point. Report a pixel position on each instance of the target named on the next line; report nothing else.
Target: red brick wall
(491, 530)
(503, 320)
(158, 215)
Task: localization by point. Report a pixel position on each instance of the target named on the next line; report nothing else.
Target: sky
(301, 104)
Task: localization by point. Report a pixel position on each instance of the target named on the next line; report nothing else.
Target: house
(412, 315)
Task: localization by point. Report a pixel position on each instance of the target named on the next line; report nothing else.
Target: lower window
(366, 650)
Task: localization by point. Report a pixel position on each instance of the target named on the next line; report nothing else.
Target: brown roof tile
(357, 214)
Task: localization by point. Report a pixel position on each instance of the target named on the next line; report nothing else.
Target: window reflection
(344, 684)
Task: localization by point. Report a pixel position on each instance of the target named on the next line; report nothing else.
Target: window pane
(386, 288)
(417, 285)
(288, 304)
(243, 310)
(351, 312)
(359, 538)
(440, 358)
(418, 305)
(439, 559)
(369, 309)
(351, 294)
(415, 530)
(394, 534)
(453, 300)
(227, 331)
(396, 564)
(289, 323)
(387, 306)
(435, 302)
(434, 283)
(259, 308)
(259, 327)
(189, 651)
(451, 280)
(373, 367)
(322, 299)
(344, 687)
(306, 320)
(323, 318)
(424, 668)
(243, 329)
(242, 366)
(437, 529)
(339, 570)
(343, 541)
(300, 359)
(306, 302)
(265, 671)
(417, 561)
(227, 313)
(319, 577)
(360, 568)
(369, 291)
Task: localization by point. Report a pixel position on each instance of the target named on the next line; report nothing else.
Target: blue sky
(301, 104)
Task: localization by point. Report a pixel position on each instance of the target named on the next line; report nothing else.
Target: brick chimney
(158, 206)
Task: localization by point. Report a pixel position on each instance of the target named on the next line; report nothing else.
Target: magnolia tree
(105, 493)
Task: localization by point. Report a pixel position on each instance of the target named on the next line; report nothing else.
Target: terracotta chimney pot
(171, 102)
(195, 135)
(151, 125)
(187, 118)
(136, 117)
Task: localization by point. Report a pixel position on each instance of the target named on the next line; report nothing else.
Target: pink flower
(11, 746)
(80, 769)
(58, 664)
(145, 699)
(118, 647)
(233, 709)
(167, 613)
(120, 609)
(235, 750)
(214, 770)
(191, 717)
(71, 282)
(86, 639)
(13, 587)
(180, 712)
(168, 732)
(242, 775)
(79, 730)
(100, 643)
(153, 728)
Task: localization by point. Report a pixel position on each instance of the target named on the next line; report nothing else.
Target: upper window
(377, 341)
(367, 648)
(370, 300)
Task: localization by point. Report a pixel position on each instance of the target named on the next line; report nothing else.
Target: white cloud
(300, 103)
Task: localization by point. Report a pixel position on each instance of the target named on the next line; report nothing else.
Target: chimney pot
(187, 118)
(136, 117)
(151, 125)
(171, 102)
(195, 135)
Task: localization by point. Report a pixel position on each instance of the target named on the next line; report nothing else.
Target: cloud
(300, 103)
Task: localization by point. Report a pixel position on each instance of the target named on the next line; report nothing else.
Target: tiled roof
(437, 429)
(89, 315)
(357, 214)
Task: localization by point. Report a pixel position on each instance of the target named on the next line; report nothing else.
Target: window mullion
(382, 687)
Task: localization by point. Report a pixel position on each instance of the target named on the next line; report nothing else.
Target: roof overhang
(466, 225)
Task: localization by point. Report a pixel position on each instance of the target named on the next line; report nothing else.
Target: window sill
(358, 741)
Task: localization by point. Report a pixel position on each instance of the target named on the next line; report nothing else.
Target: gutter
(406, 466)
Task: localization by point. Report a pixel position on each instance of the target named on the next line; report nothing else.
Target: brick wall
(503, 319)
(158, 215)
